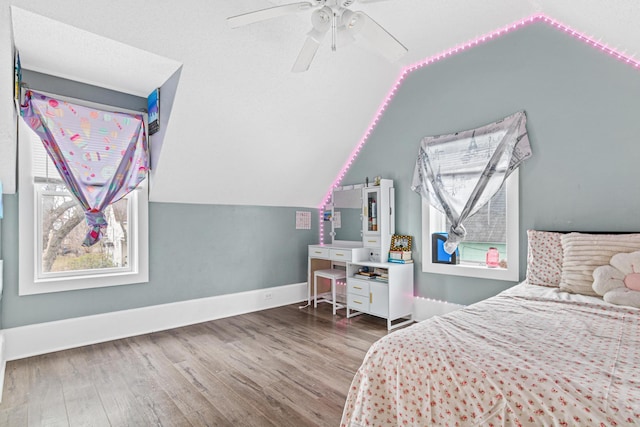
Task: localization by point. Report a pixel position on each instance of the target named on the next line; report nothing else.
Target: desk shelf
(391, 300)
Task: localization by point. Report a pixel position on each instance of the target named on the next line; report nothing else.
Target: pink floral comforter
(508, 361)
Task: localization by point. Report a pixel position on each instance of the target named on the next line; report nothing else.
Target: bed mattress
(528, 356)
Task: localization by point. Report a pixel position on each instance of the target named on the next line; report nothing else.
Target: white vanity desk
(362, 223)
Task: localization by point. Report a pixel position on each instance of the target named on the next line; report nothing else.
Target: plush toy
(619, 282)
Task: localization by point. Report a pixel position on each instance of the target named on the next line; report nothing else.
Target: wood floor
(279, 367)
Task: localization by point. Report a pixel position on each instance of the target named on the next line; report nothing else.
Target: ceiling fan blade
(321, 20)
(269, 13)
(381, 39)
(309, 49)
(306, 55)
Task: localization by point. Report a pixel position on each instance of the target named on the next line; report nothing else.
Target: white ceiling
(52, 47)
(244, 129)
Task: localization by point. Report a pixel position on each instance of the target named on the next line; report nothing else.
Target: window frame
(511, 273)
(28, 229)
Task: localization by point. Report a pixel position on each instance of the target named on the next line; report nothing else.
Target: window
(61, 228)
(52, 227)
(495, 225)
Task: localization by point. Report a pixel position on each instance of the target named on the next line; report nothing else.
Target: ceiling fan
(326, 15)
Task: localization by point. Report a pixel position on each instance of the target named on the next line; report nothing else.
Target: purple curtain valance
(100, 155)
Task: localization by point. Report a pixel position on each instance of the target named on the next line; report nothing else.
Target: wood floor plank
(236, 409)
(153, 402)
(278, 410)
(84, 406)
(16, 383)
(46, 395)
(185, 397)
(119, 401)
(14, 416)
(316, 410)
(282, 367)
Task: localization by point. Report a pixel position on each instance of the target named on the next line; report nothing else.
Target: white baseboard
(424, 308)
(32, 340)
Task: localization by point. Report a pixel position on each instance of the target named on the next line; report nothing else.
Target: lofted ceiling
(244, 129)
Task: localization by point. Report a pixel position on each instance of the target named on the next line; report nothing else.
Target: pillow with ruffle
(619, 282)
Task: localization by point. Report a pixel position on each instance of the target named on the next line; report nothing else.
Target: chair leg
(333, 295)
(315, 291)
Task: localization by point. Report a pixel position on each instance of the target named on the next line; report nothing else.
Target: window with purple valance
(101, 155)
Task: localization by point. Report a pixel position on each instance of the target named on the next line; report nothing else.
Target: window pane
(487, 228)
(62, 229)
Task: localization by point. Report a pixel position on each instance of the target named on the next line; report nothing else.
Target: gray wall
(584, 126)
(195, 251)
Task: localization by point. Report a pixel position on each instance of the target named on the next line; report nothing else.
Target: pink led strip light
(454, 50)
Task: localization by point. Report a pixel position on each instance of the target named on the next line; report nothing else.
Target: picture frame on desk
(401, 243)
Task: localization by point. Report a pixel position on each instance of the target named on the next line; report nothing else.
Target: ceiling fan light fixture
(352, 21)
(321, 18)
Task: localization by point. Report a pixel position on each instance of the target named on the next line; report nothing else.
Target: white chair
(334, 275)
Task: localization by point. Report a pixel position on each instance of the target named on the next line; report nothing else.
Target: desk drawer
(371, 241)
(318, 252)
(340, 255)
(358, 302)
(358, 287)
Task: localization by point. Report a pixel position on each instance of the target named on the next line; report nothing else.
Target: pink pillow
(544, 258)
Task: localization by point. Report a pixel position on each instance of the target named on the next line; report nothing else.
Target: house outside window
(61, 229)
(486, 229)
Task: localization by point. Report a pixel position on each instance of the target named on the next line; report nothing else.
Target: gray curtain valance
(460, 172)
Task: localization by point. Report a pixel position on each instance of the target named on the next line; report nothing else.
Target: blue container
(438, 254)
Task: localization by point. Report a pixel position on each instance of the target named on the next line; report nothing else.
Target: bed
(532, 355)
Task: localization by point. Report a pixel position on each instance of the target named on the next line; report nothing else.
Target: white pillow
(583, 253)
(619, 281)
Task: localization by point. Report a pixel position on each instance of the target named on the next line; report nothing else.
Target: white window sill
(42, 286)
(470, 270)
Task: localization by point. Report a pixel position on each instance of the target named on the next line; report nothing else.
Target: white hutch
(362, 221)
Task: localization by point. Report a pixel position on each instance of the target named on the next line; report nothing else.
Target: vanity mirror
(346, 224)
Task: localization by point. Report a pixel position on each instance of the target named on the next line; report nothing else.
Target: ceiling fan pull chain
(334, 31)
